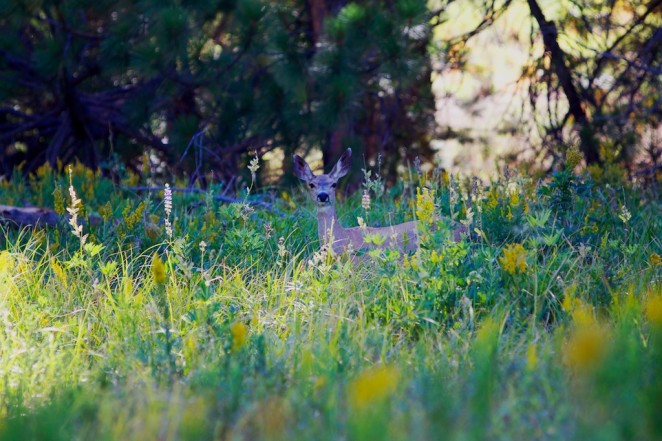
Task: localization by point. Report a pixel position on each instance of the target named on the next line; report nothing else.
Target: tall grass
(545, 323)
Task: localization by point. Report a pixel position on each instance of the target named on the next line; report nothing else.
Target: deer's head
(322, 188)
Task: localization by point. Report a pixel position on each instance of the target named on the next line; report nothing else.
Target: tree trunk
(319, 10)
(589, 144)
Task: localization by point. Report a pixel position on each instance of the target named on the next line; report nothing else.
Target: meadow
(195, 319)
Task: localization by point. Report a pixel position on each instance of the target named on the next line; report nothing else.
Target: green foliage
(87, 80)
(545, 323)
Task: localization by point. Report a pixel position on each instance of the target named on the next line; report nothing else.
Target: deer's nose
(323, 197)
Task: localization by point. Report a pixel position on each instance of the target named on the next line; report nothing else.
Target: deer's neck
(327, 223)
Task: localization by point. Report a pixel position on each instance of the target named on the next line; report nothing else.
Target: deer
(322, 189)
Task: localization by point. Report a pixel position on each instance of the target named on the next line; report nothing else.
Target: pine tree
(211, 81)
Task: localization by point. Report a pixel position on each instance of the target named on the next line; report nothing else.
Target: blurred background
(197, 87)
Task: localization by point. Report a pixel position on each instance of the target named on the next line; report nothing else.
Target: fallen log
(28, 216)
(36, 217)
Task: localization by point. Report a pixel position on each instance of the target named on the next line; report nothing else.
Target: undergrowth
(545, 322)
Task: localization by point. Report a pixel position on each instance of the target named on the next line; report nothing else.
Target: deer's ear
(342, 166)
(302, 169)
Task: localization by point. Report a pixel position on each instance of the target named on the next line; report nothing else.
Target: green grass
(443, 344)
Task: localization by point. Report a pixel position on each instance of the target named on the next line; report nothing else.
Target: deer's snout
(323, 197)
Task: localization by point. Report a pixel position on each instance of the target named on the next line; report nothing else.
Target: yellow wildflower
(145, 166)
(531, 357)
(285, 196)
(373, 386)
(446, 178)
(492, 198)
(415, 261)
(106, 211)
(6, 262)
(653, 310)
(133, 215)
(595, 171)
(158, 270)
(582, 314)
(513, 260)
(586, 347)
(655, 259)
(44, 171)
(487, 336)
(239, 332)
(59, 272)
(58, 200)
(132, 179)
(406, 264)
(319, 383)
(572, 158)
(190, 345)
(425, 205)
(44, 321)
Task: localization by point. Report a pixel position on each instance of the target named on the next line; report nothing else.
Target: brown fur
(402, 236)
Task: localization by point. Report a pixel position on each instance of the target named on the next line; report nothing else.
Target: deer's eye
(312, 185)
(334, 185)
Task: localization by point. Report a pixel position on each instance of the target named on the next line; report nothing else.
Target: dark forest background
(200, 85)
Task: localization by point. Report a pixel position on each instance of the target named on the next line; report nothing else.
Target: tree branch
(550, 35)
